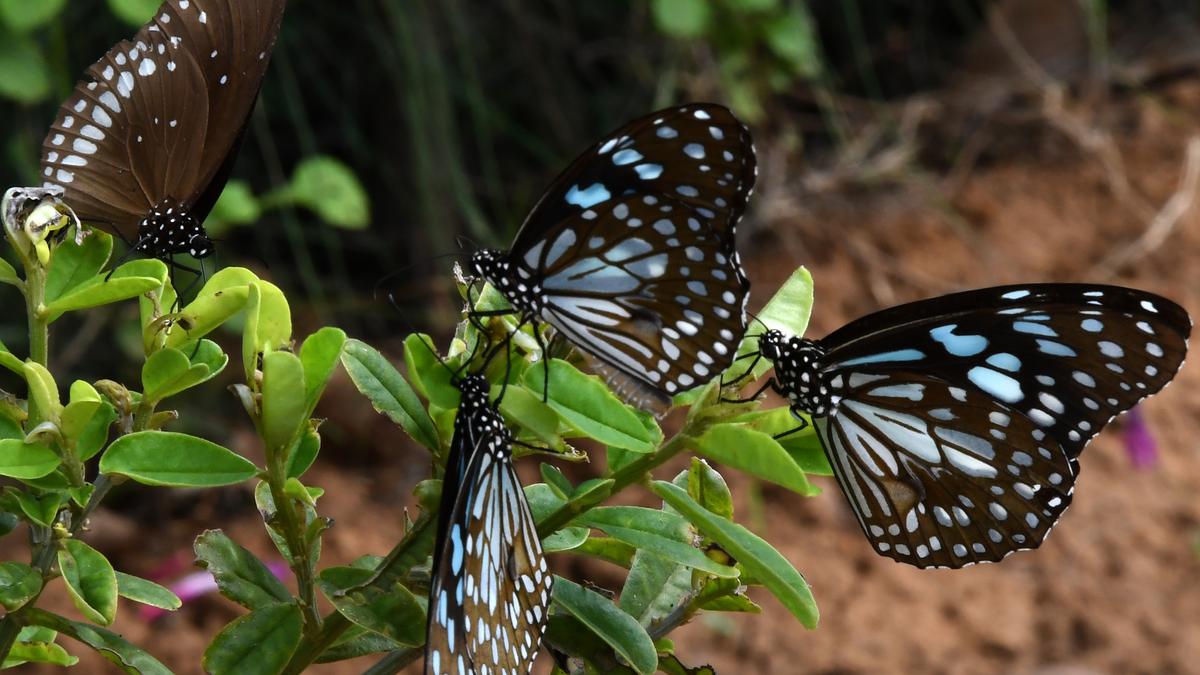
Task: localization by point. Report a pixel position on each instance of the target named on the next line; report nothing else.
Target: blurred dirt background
(1031, 159)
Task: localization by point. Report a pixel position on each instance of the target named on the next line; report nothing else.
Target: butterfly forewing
(490, 589)
(698, 157)
(1068, 356)
(940, 475)
(156, 120)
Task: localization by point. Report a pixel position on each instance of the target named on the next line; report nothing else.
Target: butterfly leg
(537, 335)
(757, 356)
(797, 413)
(769, 384)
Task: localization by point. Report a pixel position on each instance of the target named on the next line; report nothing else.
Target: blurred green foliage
(762, 47)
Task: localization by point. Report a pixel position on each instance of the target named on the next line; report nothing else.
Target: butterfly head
(513, 281)
(474, 389)
(772, 345)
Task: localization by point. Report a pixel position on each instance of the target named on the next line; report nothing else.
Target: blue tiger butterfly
(954, 425)
(630, 254)
(489, 593)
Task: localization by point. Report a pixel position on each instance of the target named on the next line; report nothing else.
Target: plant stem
(631, 473)
(39, 327)
(393, 662)
(42, 538)
(411, 550)
(293, 533)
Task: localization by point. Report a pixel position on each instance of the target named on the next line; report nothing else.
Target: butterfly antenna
(392, 275)
(413, 330)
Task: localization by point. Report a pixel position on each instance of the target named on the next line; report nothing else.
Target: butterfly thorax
(169, 229)
(520, 287)
(798, 372)
(478, 419)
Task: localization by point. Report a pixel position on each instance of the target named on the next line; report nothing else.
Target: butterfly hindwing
(941, 475)
(647, 291)
(490, 588)
(1068, 356)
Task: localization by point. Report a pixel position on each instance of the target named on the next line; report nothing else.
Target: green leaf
(19, 583)
(85, 401)
(609, 550)
(41, 509)
(237, 205)
(542, 502)
(356, 642)
(792, 37)
(168, 372)
(26, 76)
(621, 631)
(654, 587)
(681, 18)
(146, 592)
(320, 354)
(240, 576)
(273, 324)
(755, 453)
(93, 437)
(556, 481)
(429, 376)
(110, 645)
(127, 281)
(174, 460)
(36, 645)
(330, 188)
(11, 429)
(73, 264)
(44, 404)
(18, 460)
(90, 581)
(525, 410)
(135, 12)
(394, 613)
(282, 399)
(754, 554)
(304, 453)
(804, 446)
(665, 534)
(8, 275)
(586, 404)
(223, 295)
(787, 311)
(388, 391)
(705, 485)
(259, 643)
